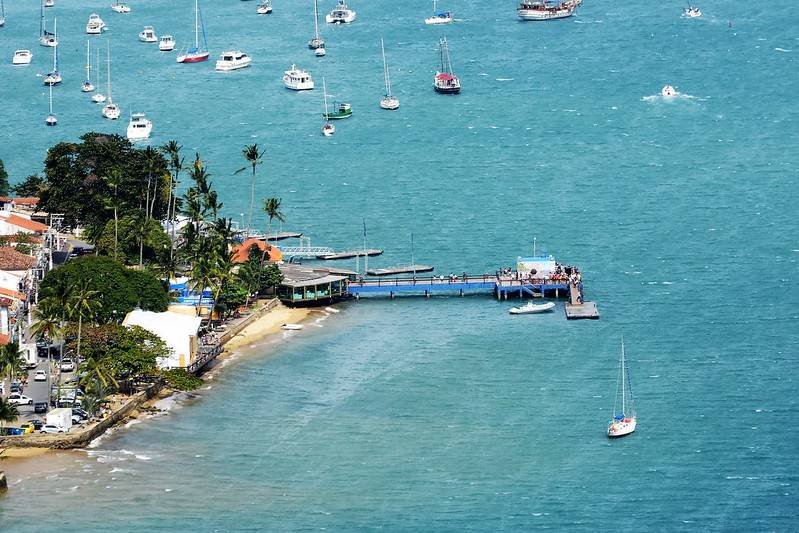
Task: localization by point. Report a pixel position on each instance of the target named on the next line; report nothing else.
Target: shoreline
(269, 324)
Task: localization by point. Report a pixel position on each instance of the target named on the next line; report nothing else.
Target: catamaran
(196, 54)
(317, 41)
(117, 7)
(88, 86)
(328, 129)
(543, 10)
(389, 101)
(51, 119)
(623, 421)
(110, 110)
(439, 17)
(445, 82)
(46, 38)
(53, 77)
(98, 97)
(341, 14)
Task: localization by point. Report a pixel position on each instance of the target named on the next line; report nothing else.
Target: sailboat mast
(315, 20)
(197, 24)
(88, 63)
(413, 262)
(365, 255)
(108, 73)
(324, 92)
(623, 388)
(385, 69)
(51, 98)
(98, 68)
(41, 20)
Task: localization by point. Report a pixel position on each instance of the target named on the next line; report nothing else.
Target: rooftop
(301, 276)
(10, 259)
(242, 251)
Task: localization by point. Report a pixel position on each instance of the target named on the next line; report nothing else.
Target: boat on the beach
(98, 97)
(445, 81)
(51, 119)
(544, 10)
(196, 53)
(341, 14)
(328, 129)
(233, 60)
(624, 420)
(95, 25)
(668, 91)
(264, 8)
(691, 12)
(46, 38)
(439, 17)
(118, 7)
(291, 327)
(88, 86)
(139, 127)
(53, 77)
(166, 43)
(147, 35)
(110, 110)
(22, 57)
(531, 308)
(389, 101)
(297, 79)
(317, 41)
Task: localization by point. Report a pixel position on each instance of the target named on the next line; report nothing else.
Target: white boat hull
(620, 428)
(531, 309)
(226, 66)
(389, 102)
(434, 21)
(98, 98)
(87, 87)
(22, 58)
(291, 327)
(111, 112)
(120, 8)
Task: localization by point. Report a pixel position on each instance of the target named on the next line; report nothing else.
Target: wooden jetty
(282, 235)
(393, 271)
(369, 252)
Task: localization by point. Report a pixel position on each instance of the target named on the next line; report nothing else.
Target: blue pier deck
(501, 288)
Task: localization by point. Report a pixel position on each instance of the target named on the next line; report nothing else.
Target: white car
(19, 399)
(40, 375)
(67, 365)
(51, 428)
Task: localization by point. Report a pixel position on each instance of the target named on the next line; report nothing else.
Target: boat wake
(661, 98)
(782, 50)
(504, 79)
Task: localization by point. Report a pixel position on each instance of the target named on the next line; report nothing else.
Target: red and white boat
(623, 421)
(196, 53)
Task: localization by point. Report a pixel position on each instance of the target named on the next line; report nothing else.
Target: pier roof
(298, 276)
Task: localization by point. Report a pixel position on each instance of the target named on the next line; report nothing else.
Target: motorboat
(388, 101)
(233, 60)
(264, 8)
(297, 79)
(624, 420)
(51, 119)
(49, 3)
(445, 82)
(341, 14)
(95, 25)
(88, 86)
(118, 7)
(147, 35)
(320, 52)
(668, 91)
(292, 327)
(340, 111)
(166, 43)
(692, 12)
(196, 53)
(544, 10)
(531, 308)
(439, 17)
(22, 57)
(139, 127)
(317, 41)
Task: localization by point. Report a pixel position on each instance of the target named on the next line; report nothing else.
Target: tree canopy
(4, 188)
(125, 352)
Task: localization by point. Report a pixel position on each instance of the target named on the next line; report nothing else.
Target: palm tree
(272, 209)
(151, 165)
(202, 272)
(48, 324)
(8, 412)
(172, 150)
(84, 304)
(113, 178)
(99, 371)
(11, 364)
(254, 157)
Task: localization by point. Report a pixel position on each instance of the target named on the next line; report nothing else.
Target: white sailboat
(46, 38)
(118, 7)
(317, 41)
(51, 119)
(110, 110)
(49, 3)
(98, 97)
(624, 420)
(389, 101)
(88, 86)
(328, 129)
(54, 77)
(439, 17)
(264, 8)
(196, 53)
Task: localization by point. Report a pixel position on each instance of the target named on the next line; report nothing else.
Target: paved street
(38, 390)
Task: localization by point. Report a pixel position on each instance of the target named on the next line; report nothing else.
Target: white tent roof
(175, 329)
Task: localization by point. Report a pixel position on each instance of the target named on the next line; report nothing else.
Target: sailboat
(51, 119)
(389, 101)
(46, 38)
(445, 82)
(110, 110)
(443, 17)
(317, 41)
(624, 421)
(196, 54)
(88, 86)
(98, 97)
(328, 129)
(2, 14)
(54, 77)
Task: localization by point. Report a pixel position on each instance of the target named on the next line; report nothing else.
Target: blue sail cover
(618, 417)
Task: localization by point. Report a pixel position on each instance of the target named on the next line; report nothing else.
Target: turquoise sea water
(447, 414)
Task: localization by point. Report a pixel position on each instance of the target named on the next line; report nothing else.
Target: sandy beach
(267, 325)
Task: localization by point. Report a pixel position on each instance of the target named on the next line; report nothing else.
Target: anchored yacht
(297, 79)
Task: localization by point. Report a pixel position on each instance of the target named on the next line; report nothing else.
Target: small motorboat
(692, 12)
(264, 8)
(117, 7)
(166, 43)
(297, 79)
(22, 57)
(147, 35)
(341, 14)
(95, 25)
(233, 60)
(531, 308)
(139, 127)
(49, 3)
(291, 327)
(668, 91)
(320, 52)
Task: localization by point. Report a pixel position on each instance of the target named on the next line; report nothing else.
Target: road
(38, 390)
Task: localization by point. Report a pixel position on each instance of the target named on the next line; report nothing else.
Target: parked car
(27, 427)
(19, 399)
(80, 412)
(16, 387)
(40, 375)
(51, 428)
(37, 423)
(40, 407)
(67, 365)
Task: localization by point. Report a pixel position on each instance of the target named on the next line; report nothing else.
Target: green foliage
(155, 248)
(119, 352)
(8, 411)
(257, 275)
(75, 183)
(181, 379)
(119, 290)
(33, 185)
(4, 188)
(232, 296)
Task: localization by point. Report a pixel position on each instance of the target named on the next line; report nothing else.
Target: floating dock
(394, 271)
(282, 235)
(370, 252)
(582, 311)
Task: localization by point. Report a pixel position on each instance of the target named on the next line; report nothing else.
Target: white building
(177, 330)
